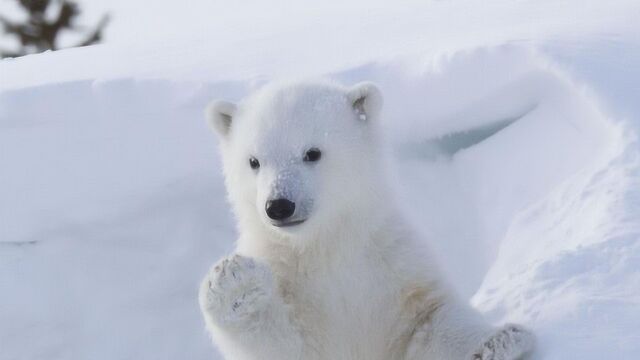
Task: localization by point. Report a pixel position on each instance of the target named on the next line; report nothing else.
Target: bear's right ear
(220, 116)
(366, 100)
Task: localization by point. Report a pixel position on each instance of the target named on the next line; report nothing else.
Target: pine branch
(96, 35)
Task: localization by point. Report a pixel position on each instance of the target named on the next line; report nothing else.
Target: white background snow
(112, 205)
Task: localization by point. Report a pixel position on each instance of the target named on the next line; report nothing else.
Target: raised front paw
(236, 291)
(511, 342)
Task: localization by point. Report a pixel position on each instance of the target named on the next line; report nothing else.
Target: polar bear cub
(326, 268)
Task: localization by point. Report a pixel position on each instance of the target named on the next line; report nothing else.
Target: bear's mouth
(288, 223)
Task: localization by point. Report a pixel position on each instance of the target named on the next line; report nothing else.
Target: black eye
(254, 163)
(312, 155)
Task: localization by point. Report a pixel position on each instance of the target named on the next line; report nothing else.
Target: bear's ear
(366, 100)
(220, 116)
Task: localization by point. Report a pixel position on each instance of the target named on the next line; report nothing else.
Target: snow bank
(113, 203)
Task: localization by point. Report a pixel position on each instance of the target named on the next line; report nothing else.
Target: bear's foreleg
(457, 332)
(244, 313)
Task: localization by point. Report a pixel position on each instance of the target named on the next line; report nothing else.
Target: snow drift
(113, 204)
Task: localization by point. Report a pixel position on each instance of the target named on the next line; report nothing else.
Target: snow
(513, 126)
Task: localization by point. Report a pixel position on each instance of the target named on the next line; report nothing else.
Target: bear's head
(300, 159)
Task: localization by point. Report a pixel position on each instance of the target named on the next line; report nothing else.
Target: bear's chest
(349, 311)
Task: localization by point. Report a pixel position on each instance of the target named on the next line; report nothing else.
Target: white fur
(353, 281)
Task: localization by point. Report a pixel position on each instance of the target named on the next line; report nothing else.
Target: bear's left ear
(366, 100)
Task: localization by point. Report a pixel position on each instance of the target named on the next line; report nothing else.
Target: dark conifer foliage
(46, 20)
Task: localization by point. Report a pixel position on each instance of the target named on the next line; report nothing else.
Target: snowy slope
(516, 155)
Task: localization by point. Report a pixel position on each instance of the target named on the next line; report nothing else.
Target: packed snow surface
(515, 153)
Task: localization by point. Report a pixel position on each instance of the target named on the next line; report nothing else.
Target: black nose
(280, 209)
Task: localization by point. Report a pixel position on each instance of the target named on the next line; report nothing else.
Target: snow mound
(113, 203)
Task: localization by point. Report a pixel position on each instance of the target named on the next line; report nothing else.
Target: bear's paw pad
(236, 289)
(511, 342)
